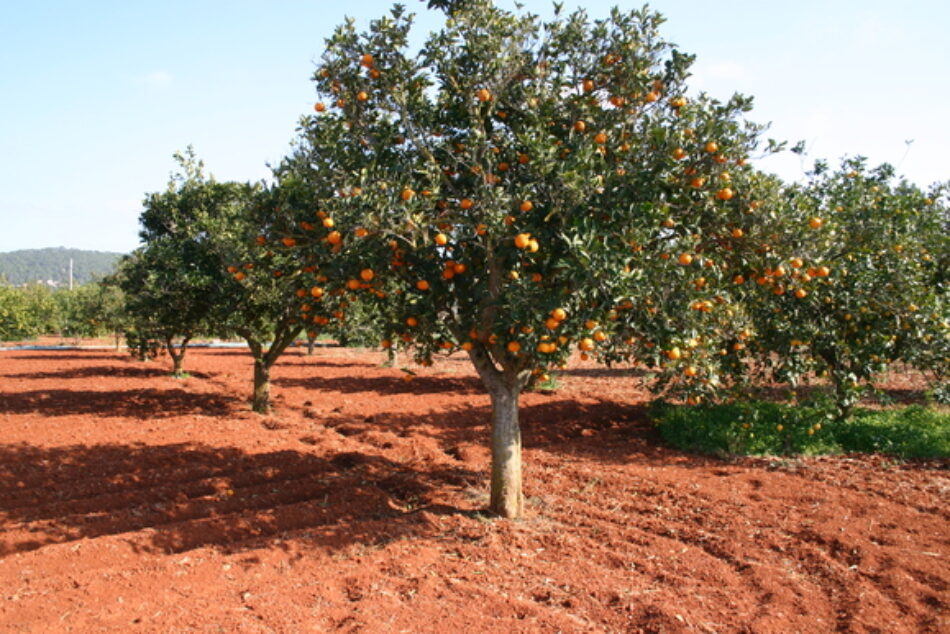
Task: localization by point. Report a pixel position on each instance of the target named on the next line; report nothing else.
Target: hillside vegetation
(31, 265)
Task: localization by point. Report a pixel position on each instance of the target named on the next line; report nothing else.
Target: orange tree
(851, 278)
(505, 188)
(272, 297)
(226, 277)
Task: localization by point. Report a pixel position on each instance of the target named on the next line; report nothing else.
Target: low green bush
(764, 428)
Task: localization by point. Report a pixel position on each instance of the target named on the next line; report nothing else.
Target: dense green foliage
(29, 266)
(851, 277)
(764, 428)
(90, 310)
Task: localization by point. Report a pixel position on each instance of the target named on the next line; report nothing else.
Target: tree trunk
(310, 346)
(507, 499)
(178, 357)
(261, 400)
(264, 361)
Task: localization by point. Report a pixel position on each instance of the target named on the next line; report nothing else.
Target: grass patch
(763, 428)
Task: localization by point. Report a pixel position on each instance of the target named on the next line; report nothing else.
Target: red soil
(130, 501)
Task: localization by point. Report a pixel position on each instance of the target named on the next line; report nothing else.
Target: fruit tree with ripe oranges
(495, 222)
(863, 287)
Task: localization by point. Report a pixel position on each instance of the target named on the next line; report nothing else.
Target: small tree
(504, 178)
(269, 297)
(172, 283)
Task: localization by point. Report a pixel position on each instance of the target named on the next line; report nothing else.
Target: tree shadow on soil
(603, 430)
(125, 372)
(174, 498)
(386, 384)
(142, 404)
(53, 355)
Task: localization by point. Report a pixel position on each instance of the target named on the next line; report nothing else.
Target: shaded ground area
(130, 501)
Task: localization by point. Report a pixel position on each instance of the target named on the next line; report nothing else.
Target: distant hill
(52, 265)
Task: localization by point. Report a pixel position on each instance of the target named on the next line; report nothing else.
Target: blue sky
(96, 96)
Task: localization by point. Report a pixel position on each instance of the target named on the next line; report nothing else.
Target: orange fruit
(679, 153)
(367, 60)
(422, 285)
(367, 275)
(334, 237)
(239, 276)
(600, 138)
(407, 194)
(712, 147)
(697, 182)
(522, 240)
(685, 259)
(466, 203)
(559, 313)
(319, 106)
(483, 95)
(412, 322)
(815, 223)
(588, 85)
(600, 336)
(526, 206)
(725, 193)
(362, 96)
(288, 241)
(513, 347)
(328, 223)
(737, 233)
(579, 126)
(441, 239)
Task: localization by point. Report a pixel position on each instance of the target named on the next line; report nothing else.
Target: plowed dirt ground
(134, 502)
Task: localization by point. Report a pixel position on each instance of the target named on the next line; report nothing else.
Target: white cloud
(155, 80)
(873, 29)
(719, 78)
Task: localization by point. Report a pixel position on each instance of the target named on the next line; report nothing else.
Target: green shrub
(762, 428)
